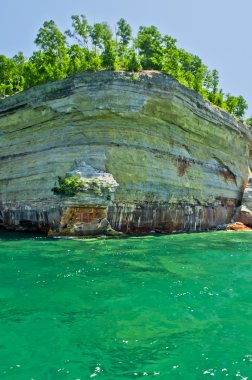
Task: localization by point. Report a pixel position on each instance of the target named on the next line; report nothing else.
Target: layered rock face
(154, 154)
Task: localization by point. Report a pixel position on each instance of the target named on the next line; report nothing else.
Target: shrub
(69, 185)
(72, 184)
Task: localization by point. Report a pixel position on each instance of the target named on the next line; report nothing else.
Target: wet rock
(238, 226)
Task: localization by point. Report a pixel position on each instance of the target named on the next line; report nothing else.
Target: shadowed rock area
(154, 154)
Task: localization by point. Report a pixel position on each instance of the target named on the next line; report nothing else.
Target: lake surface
(169, 307)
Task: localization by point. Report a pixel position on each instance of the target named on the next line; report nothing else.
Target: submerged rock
(153, 154)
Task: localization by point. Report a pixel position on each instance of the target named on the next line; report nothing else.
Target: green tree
(94, 61)
(236, 105)
(109, 57)
(215, 81)
(241, 107)
(149, 43)
(169, 43)
(219, 98)
(38, 70)
(231, 103)
(18, 72)
(249, 121)
(6, 73)
(132, 62)
(210, 83)
(170, 63)
(193, 71)
(100, 33)
(186, 68)
(11, 74)
(78, 59)
(50, 39)
(80, 30)
(124, 32)
(54, 58)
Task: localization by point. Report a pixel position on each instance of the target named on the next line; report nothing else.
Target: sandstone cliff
(169, 160)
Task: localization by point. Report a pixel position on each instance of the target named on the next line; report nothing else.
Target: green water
(170, 307)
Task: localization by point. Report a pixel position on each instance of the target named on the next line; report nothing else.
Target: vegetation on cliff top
(94, 47)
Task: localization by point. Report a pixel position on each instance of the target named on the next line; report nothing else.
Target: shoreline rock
(152, 153)
(238, 226)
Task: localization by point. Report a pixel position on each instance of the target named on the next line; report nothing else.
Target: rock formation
(152, 155)
(243, 213)
(238, 226)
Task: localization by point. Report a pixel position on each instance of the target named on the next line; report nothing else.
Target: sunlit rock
(159, 156)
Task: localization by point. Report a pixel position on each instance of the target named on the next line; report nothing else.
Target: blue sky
(219, 31)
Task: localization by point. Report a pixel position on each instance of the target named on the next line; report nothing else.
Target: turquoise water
(169, 307)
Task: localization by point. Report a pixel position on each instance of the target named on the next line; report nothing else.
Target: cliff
(154, 155)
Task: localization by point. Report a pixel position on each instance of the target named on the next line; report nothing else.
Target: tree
(6, 71)
(241, 107)
(80, 30)
(100, 33)
(149, 43)
(11, 74)
(18, 74)
(210, 83)
(215, 81)
(124, 32)
(50, 39)
(94, 61)
(132, 62)
(170, 57)
(53, 45)
(78, 59)
(109, 57)
(219, 98)
(249, 121)
(231, 103)
(37, 70)
(186, 68)
(170, 63)
(236, 105)
(169, 43)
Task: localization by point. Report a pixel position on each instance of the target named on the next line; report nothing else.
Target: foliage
(124, 36)
(100, 33)
(109, 57)
(50, 39)
(249, 121)
(11, 74)
(236, 106)
(78, 59)
(124, 32)
(132, 61)
(80, 30)
(149, 43)
(71, 184)
(93, 47)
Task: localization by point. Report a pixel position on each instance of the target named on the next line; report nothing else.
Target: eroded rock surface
(169, 160)
(244, 212)
(238, 226)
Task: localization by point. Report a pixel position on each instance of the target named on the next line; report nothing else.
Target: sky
(218, 31)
